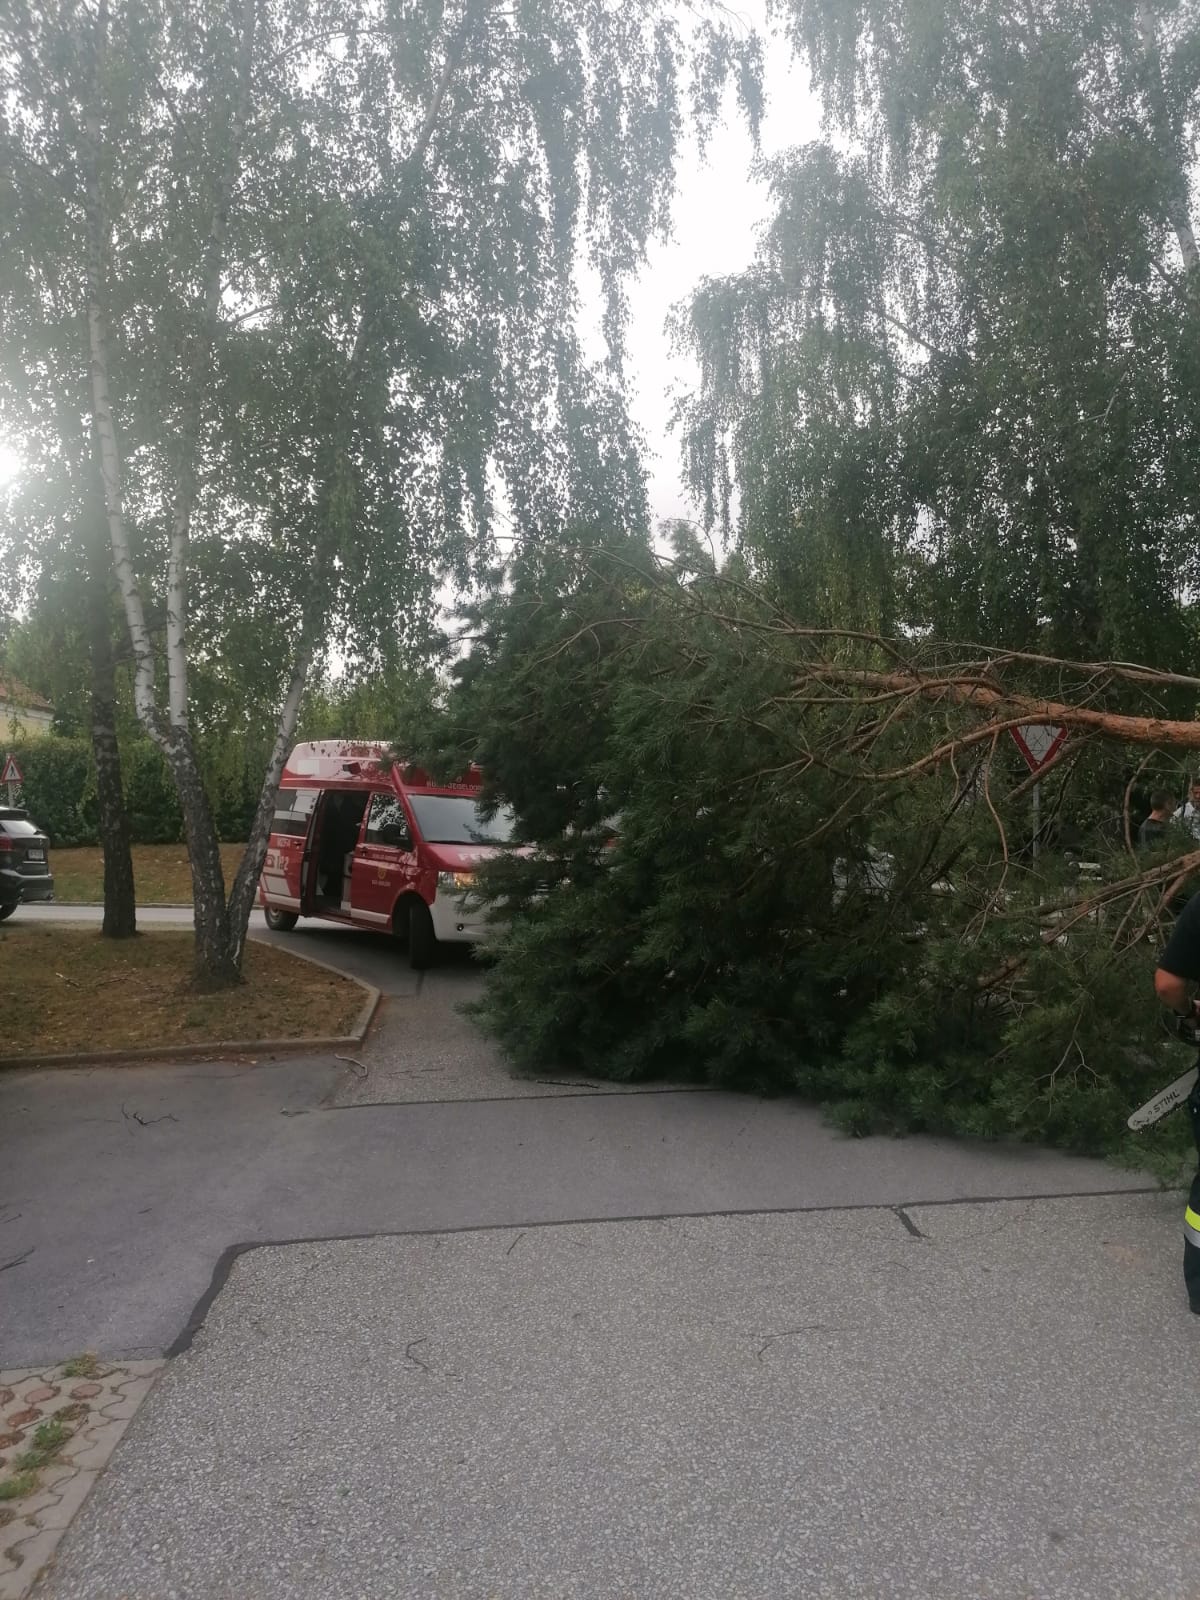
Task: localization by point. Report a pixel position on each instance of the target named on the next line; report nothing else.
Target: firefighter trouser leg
(1191, 1217)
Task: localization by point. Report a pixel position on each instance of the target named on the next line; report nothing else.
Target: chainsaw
(1166, 1100)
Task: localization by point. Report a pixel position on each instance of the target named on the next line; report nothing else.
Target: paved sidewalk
(423, 1048)
(992, 1401)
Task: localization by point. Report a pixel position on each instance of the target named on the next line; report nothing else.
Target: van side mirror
(395, 834)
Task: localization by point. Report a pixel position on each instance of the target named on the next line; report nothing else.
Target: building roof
(15, 693)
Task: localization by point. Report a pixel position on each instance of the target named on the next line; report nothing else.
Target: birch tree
(317, 261)
(959, 387)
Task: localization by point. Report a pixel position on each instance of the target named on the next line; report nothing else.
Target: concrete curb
(220, 1048)
(147, 905)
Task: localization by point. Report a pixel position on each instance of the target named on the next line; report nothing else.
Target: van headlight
(455, 882)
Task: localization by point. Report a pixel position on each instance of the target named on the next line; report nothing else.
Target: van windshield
(455, 819)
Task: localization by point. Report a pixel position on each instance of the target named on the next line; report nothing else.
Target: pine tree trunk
(120, 911)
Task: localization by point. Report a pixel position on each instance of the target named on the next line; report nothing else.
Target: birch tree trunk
(1178, 215)
(107, 448)
(216, 962)
(216, 965)
(245, 883)
(200, 375)
(120, 906)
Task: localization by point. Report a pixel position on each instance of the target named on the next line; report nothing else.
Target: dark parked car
(24, 862)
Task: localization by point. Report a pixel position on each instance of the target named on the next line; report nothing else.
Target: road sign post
(1039, 743)
(13, 777)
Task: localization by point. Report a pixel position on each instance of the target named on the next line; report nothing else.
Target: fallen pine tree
(779, 858)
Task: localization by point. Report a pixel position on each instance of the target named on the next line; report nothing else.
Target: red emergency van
(360, 839)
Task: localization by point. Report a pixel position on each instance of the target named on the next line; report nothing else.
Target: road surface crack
(805, 1327)
(416, 1360)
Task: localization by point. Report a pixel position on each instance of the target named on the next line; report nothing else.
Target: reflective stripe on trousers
(1191, 1217)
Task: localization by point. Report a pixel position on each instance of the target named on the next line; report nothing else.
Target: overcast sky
(717, 210)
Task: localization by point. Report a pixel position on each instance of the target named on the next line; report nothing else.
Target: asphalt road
(444, 1333)
(122, 1187)
(160, 1170)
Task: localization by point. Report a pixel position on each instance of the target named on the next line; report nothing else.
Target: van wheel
(7, 911)
(280, 921)
(422, 942)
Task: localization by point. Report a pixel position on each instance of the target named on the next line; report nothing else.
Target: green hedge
(233, 773)
(154, 815)
(59, 791)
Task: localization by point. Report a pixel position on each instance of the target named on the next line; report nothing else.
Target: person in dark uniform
(1159, 824)
(1178, 969)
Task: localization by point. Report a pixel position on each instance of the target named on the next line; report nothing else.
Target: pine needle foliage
(695, 898)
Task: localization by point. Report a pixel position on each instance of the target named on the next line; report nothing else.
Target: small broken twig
(146, 1122)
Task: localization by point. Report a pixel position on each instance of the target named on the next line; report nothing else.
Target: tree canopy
(297, 277)
(959, 388)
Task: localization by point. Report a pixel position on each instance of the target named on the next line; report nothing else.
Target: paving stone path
(93, 1403)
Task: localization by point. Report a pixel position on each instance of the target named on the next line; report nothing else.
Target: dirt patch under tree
(69, 989)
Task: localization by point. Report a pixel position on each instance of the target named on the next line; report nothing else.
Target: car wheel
(280, 921)
(422, 942)
(7, 911)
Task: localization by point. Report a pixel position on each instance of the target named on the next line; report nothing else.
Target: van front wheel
(280, 921)
(422, 942)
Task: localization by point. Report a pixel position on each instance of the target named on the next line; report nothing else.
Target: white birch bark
(1178, 215)
(245, 884)
(102, 410)
(185, 496)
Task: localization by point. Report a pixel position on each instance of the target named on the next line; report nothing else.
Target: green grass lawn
(161, 874)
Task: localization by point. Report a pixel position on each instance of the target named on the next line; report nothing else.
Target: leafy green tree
(304, 272)
(366, 703)
(66, 648)
(959, 389)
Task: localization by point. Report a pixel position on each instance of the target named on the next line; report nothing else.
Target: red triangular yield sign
(1039, 742)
